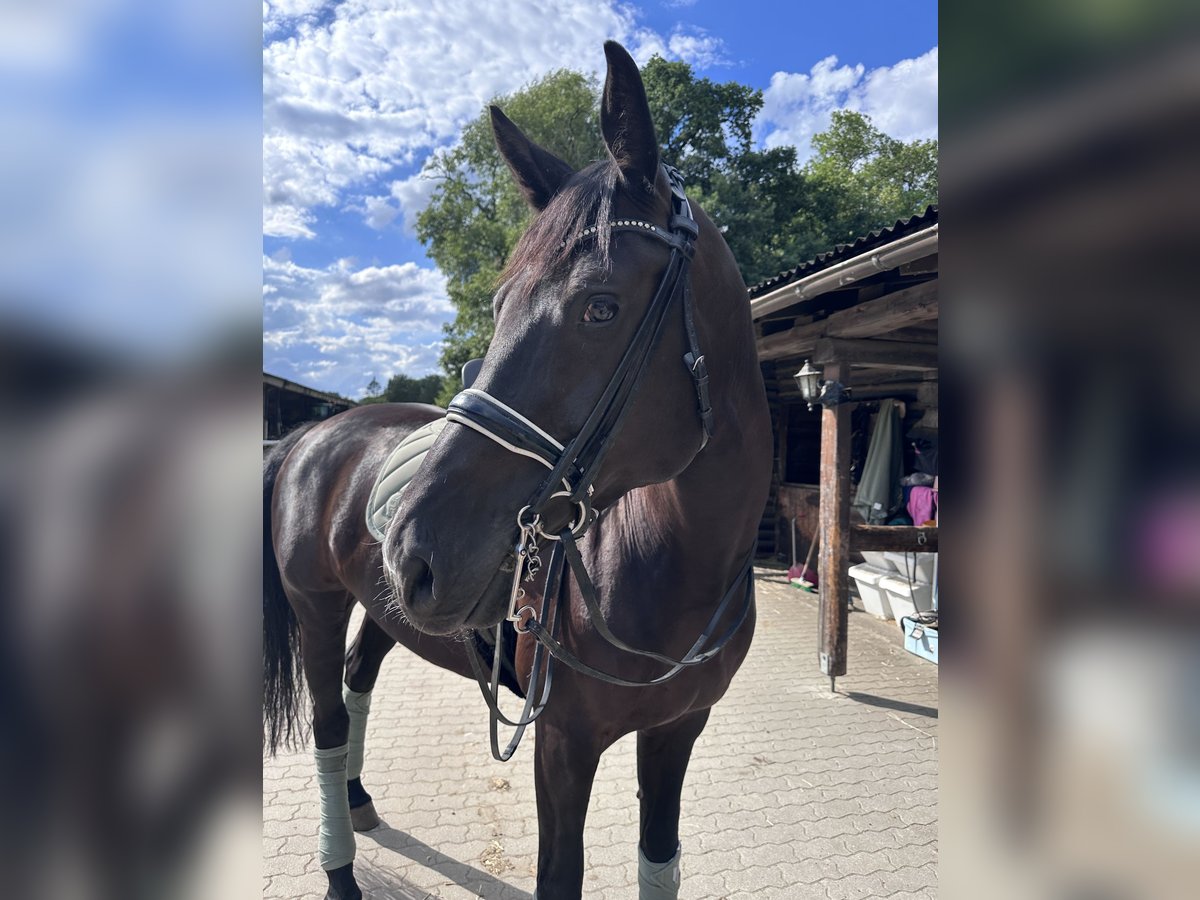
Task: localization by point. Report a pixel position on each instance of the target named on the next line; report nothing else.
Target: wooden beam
(920, 266)
(920, 333)
(889, 354)
(874, 378)
(873, 317)
(834, 518)
(893, 537)
(901, 390)
(865, 381)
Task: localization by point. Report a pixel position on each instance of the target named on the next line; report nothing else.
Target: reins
(573, 468)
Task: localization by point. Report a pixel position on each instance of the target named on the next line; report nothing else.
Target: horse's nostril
(413, 568)
(416, 580)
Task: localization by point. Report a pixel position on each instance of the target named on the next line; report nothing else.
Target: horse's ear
(625, 120)
(539, 173)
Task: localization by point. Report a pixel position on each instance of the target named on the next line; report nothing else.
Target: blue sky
(358, 95)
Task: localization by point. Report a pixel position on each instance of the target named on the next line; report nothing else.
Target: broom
(799, 576)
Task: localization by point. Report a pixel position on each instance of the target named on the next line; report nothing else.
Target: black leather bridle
(573, 468)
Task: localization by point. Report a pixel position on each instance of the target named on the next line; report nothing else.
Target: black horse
(656, 486)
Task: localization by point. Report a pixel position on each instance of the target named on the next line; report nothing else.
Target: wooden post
(834, 531)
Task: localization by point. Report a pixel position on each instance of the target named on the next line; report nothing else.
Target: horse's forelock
(551, 240)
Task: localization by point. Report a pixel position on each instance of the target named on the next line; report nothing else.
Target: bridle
(573, 467)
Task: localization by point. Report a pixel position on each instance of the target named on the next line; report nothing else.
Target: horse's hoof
(364, 817)
(342, 885)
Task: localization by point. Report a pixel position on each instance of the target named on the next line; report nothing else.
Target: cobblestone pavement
(793, 792)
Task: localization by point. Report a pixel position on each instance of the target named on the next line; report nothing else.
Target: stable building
(287, 404)
(848, 343)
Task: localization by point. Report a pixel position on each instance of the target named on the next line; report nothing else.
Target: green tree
(406, 389)
(374, 388)
(757, 197)
(773, 212)
(476, 213)
(862, 179)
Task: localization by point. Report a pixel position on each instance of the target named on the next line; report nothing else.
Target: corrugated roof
(844, 251)
(298, 388)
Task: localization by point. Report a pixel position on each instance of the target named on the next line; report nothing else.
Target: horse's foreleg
(322, 640)
(663, 755)
(362, 669)
(563, 768)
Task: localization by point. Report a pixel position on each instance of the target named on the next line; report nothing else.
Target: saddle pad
(396, 473)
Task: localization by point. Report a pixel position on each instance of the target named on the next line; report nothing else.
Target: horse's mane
(553, 236)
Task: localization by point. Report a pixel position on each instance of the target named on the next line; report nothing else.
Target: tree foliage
(476, 213)
(774, 212)
(865, 179)
(406, 389)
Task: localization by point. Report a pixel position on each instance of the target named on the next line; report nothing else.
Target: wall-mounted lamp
(815, 389)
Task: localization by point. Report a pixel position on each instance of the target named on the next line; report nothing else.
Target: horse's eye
(602, 309)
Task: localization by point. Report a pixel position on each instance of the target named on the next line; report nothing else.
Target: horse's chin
(492, 606)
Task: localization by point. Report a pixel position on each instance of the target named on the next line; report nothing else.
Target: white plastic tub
(879, 560)
(921, 570)
(874, 600)
(906, 601)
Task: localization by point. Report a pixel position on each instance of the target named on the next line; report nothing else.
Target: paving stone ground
(793, 792)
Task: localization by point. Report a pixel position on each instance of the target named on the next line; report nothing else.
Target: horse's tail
(283, 676)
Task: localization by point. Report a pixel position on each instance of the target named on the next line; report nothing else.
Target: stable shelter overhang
(865, 314)
(839, 275)
(287, 404)
(292, 387)
(871, 304)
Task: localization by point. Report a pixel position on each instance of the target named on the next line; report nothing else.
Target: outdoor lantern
(808, 379)
(815, 389)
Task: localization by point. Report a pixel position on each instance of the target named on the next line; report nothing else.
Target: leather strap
(695, 655)
(490, 686)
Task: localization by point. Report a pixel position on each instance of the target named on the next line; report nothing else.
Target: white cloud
(413, 194)
(697, 47)
(902, 100)
(335, 328)
(378, 212)
(280, 14)
(380, 83)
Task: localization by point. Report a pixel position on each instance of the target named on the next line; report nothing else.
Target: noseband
(573, 469)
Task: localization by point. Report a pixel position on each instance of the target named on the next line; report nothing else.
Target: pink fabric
(921, 501)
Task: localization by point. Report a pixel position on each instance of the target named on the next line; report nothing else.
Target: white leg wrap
(335, 840)
(359, 707)
(658, 881)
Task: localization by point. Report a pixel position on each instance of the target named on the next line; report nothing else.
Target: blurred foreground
(130, 261)
(1071, 354)
(129, 422)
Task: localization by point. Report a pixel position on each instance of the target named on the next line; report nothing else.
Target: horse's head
(573, 299)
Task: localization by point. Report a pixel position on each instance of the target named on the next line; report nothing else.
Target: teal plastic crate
(921, 635)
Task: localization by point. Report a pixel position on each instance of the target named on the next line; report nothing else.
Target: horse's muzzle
(434, 605)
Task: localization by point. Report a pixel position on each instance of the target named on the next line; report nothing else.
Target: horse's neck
(709, 512)
(726, 484)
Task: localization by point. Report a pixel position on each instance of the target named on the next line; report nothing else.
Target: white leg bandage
(658, 881)
(335, 840)
(359, 707)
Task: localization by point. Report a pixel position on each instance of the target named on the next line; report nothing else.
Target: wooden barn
(858, 327)
(287, 404)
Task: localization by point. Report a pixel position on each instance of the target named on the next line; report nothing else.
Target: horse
(622, 328)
